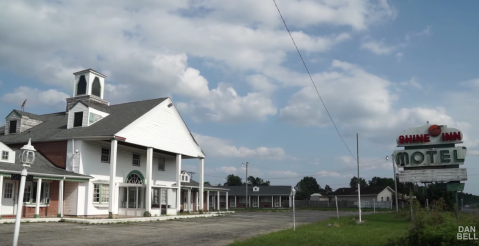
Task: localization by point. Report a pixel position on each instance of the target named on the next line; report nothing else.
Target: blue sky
(234, 74)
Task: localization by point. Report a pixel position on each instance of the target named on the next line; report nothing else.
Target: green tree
(233, 180)
(305, 187)
(207, 183)
(354, 182)
(257, 181)
(377, 181)
(327, 190)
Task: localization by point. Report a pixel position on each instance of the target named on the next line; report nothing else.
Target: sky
(236, 78)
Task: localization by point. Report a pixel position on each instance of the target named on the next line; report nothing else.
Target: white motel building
(97, 159)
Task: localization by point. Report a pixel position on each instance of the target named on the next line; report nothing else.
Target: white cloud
(412, 82)
(35, 97)
(228, 170)
(378, 47)
(217, 147)
(328, 174)
(399, 56)
(284, 174)
(365, 104)
(144, 55)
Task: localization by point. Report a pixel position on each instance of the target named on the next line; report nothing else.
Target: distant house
(378, 193)
(258, 196)
(319, 197)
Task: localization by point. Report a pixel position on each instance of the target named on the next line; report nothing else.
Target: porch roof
(194, 184)
(41, 168)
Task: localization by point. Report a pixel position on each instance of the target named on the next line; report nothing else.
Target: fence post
(337, 210)
(374, 206)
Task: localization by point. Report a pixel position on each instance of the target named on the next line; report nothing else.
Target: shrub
(437, 226)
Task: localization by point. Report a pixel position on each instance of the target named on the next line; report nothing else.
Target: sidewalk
(121, 220)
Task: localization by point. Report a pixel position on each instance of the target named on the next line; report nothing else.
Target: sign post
(337, 210)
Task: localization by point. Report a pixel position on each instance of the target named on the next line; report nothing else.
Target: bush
(437, 226)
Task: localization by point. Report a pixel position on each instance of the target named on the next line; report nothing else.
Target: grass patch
(377, 230)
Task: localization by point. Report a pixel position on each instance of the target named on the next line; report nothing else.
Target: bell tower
(89, 82)
(89, 88)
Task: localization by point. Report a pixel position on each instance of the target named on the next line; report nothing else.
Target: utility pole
(246, 182)
(395, 182)
(359, 180)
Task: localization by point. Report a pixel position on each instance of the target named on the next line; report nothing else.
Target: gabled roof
(54, 126)
(365, 191)
(40, 167)
(29, 115)
(274, 190)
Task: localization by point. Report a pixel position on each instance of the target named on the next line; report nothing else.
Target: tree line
(309, 185)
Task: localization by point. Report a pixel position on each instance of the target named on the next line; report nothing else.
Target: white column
(111, 195)
(258, 202)
(197, 201)
(60, 199)
(272, 201)
(218, 202)
(1, 194)
(226, 201)
(236, 203)
(249, 201)
(188, 200)
(149, 165)
(202, 183)
(280, 202)
(37, 205)
(178, 182)
(290, 204)
(207, 200)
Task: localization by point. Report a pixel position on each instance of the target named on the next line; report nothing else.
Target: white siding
(91, 165)
(70, 198)
(97, 112)
(385, 194)
(162, 128)
(11, 153)
(79, 107)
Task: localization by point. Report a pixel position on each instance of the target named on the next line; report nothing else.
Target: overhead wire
(312, 81)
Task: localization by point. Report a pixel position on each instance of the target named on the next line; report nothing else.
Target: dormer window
(78, 119)
(96, 87)
(13, 126)
(185, 177)
(81, 86)
(4, 155)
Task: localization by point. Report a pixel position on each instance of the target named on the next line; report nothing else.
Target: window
(81, 86)
(134, 179)
(233, 203)
(387, 198)
(242, 200)
(266, 199)
(163, 196)
(4, 155)
(44, 193)
(27, 194)
(101, 193)
(78, 119)
(136, 160)
(382, 199)
(222, 199)
(105, 155)
(8, 192)
(13, 126)
(96, 87)
(161, 164)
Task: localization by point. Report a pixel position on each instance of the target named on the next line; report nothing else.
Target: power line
(307, 70)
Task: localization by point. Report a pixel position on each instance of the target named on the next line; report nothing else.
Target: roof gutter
(49, 175)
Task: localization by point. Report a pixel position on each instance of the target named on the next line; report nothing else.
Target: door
(8, 198)
(255, 202)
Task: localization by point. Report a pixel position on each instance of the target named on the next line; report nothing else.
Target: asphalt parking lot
(200, 231)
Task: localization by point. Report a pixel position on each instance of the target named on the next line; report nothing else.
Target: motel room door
(8, 198)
